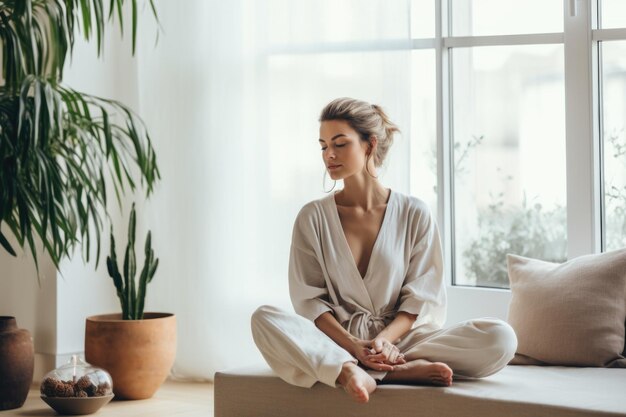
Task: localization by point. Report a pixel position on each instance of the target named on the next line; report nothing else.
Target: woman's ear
(373, 144)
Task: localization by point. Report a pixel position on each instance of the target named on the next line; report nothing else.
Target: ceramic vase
(17, 363)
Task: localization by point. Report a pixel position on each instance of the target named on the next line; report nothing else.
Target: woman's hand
(385, 352)
(377, 354)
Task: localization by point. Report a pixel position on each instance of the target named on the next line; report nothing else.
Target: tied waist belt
(366, 325)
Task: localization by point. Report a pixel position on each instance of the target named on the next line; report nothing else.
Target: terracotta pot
(17, 363)
(137, 353)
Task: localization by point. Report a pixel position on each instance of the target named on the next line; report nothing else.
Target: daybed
(551, 391)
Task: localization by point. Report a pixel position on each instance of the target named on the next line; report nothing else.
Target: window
(612, 14)
(612, 61)
(509, 158)
(505, 17)
(614, 138)
(535, 131)
(507, 136)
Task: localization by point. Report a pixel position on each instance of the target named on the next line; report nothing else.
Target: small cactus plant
(131, 294)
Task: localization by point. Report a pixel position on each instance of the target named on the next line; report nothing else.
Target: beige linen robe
(405, 273)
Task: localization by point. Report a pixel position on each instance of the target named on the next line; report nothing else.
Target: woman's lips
(331, 167)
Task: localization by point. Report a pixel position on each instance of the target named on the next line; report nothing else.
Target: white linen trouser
(301, 354)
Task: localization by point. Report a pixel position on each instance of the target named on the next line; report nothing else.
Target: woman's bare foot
(421, 371)
(358, 383)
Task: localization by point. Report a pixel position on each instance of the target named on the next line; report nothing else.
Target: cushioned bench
(515, 391)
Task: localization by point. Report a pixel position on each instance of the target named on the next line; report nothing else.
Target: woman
(366, 279)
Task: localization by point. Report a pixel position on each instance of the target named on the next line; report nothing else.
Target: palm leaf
(63, 172)
(59, 148)
(6, 245)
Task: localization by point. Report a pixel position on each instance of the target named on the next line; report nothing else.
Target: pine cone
(64, 389)
(81, 394)
(85, 384)
(103, 389)
(48, 386)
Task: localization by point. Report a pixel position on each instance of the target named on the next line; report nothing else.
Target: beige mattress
(515, 391)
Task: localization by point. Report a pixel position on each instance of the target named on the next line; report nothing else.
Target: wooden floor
(184, 399)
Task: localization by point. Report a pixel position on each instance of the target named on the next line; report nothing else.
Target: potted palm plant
(136, 348)
(59, 148)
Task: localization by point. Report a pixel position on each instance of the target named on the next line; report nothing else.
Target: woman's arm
(327, 323)
(398, 327)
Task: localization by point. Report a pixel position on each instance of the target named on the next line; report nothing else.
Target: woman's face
(344, 153)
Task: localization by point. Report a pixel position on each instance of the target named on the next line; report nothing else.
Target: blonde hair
(366, 119)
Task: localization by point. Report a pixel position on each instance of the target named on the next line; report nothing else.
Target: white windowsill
(466, 303)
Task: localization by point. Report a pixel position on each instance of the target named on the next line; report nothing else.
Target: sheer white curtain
(231, 94)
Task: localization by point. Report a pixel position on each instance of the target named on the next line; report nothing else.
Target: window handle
(573, 9)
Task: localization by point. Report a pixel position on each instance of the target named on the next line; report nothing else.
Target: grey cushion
(569, 314)
(515, 391)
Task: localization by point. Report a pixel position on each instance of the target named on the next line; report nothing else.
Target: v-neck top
(405, 271)
(380, 232)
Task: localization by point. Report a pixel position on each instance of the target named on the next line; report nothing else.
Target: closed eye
(337, 146)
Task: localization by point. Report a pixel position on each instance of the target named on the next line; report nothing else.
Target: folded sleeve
(307, 286)
(423, 290)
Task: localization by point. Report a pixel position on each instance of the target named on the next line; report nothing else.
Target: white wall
(82, 290)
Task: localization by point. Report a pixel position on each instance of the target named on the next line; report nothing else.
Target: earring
(324, 183)
(367, 163)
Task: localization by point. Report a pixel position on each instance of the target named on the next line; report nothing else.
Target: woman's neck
(363, 192)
